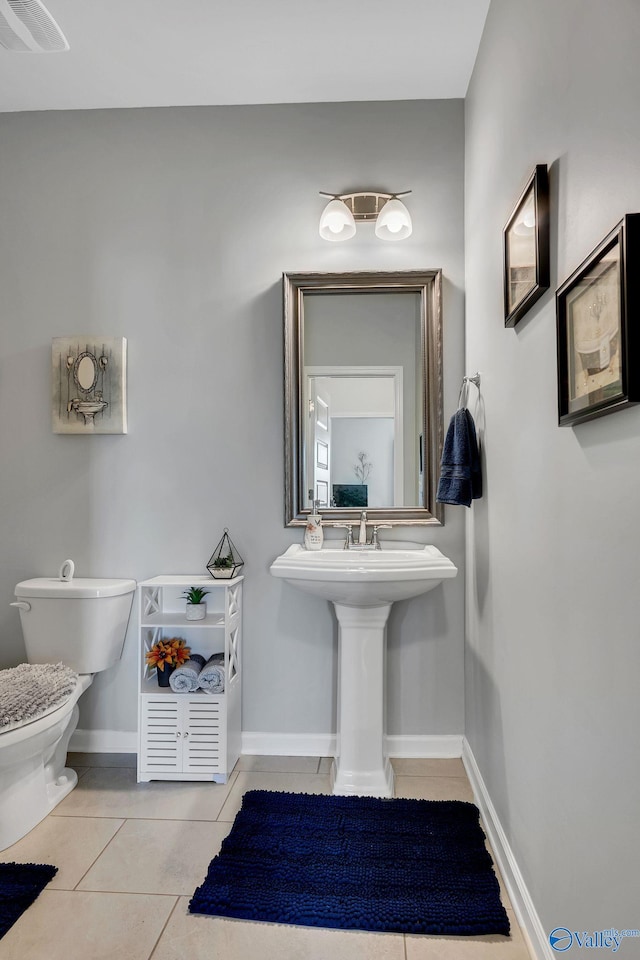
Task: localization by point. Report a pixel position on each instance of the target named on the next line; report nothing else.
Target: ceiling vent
(26, 26)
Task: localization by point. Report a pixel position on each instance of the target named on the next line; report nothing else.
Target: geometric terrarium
(225, 562)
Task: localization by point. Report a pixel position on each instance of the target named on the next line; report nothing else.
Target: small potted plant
(222, 567)
(196, 605)
(165, 655)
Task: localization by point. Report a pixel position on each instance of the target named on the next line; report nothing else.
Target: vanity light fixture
(389, 214)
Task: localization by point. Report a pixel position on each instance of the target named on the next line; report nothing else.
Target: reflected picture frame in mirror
(426, 285)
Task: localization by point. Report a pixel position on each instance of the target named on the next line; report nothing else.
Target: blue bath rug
(20, 885)
(355, 863)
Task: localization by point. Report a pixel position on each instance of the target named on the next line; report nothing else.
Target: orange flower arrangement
(171, 651)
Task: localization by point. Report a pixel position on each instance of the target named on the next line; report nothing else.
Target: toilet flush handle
(21, 605)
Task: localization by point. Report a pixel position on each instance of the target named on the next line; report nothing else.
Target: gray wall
(553, 654)
(172, 227)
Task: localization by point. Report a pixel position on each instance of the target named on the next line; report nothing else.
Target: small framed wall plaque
(526, 248)
(597, 330)
(89, 384)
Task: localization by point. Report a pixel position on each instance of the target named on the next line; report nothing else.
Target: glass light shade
(336, 222)
(394, 222)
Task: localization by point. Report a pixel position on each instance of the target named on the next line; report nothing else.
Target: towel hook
(475, 380)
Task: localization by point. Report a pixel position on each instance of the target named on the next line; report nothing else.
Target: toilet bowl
(80, 622)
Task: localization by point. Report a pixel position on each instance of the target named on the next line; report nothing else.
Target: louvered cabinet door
(161, 740)
(204, 735)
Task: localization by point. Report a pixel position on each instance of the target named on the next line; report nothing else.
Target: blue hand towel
(460, 473)
(184, 679)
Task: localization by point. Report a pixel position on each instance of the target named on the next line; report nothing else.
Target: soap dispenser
(313, 535)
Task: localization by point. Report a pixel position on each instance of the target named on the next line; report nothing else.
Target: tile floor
(130, 855)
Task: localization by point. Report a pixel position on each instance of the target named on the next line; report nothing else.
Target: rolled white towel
(184, 679)
(211, 677)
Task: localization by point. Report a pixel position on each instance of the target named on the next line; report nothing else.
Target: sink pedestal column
(360, 766)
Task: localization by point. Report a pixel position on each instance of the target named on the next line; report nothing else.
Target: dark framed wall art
(525, 243)
(597, 329)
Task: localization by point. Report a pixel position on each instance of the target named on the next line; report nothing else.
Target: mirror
(363, 395)
(85, 371)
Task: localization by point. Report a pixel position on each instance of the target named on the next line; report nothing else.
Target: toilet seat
(16, 724)
(46, 719)
(31, 691)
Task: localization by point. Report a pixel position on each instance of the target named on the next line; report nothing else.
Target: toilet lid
(15, 724)
(31, 691)
(88, 588)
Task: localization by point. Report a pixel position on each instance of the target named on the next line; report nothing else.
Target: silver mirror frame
(428, 284)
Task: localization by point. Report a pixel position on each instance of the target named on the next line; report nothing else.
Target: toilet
(82, 623)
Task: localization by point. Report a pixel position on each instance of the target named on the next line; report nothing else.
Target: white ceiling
(150, 53)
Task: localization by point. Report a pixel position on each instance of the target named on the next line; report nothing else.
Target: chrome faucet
(362, 537)
(362, 543)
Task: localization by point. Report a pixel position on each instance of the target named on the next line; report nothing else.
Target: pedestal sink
(362, 585)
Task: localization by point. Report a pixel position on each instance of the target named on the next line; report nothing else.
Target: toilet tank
(80, 622)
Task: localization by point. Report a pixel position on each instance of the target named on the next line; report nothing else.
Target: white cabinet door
(161, 740)
(183, 734)
(204, 735)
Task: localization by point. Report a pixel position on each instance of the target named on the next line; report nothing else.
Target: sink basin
(364, 578)
(363, 585)
(88, 408)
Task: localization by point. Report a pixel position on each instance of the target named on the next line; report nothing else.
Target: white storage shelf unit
(190, 736)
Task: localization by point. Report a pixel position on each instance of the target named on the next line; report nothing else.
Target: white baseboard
(324, 745)
(289, 744)
(434, 747)
(104, 741)
(278, 744)
(528, 918)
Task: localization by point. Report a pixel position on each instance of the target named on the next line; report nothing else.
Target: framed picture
(525, 241)
(597, 346)
(89, 381)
